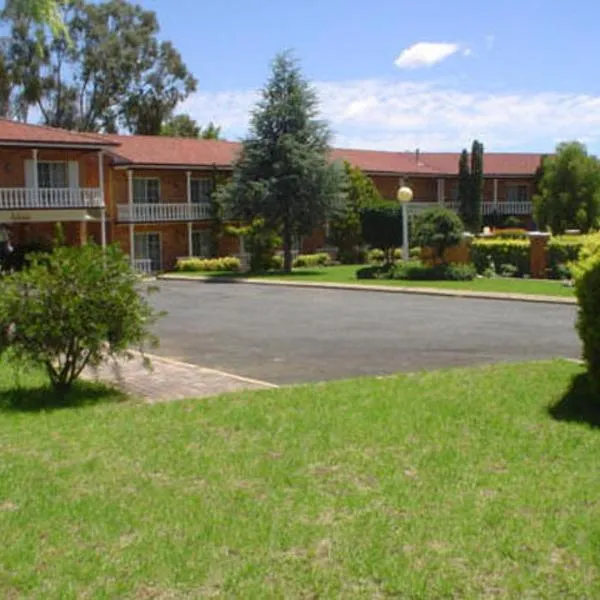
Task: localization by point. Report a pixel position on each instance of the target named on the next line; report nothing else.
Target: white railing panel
(162, 211)
(30, 198)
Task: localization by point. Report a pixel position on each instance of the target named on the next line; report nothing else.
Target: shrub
(312, 260)
(563, 250)
(501, 252)
(261, 242)
(417, 271)
(72, 308)
(382, 228)
(275, 263)
(375, 255)
(512, 222)
(511, 234)
(375, 272)
(587, 287)
(438, 228)
(226, 263)
(508, 270)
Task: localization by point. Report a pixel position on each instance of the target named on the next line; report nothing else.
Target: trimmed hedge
(227, 263)
(501, 252)
(562, 251)
(311, 260)
(415, 270)
(511, 234)
(587, 288)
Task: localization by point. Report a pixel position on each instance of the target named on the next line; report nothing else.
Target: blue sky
(396, 74)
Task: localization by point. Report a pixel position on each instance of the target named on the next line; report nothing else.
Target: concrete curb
(380, 288)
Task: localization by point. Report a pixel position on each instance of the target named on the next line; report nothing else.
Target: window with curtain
(53, 175)
(146, 191)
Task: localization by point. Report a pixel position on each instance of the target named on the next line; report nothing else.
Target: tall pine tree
(283, 175)
(464, 187)
(476, 186)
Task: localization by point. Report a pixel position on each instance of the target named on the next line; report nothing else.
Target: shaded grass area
(347, 274)
(463, 483)
(26, 388)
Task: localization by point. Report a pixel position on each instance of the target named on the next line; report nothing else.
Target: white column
(131, 231)
(188, 180)
(101, 186)
(495, 193)
(36, 183)
(440, 190)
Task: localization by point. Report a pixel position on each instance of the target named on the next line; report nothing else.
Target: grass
(347, 274)
(462, 483)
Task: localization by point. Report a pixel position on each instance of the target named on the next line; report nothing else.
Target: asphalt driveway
(291, 335)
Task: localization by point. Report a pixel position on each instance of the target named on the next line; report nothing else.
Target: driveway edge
(379, 288)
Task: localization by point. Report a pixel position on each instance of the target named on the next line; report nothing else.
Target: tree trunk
(287, 248)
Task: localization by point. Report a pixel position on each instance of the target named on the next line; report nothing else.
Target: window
(147, 246)
(146, 191)
(517, 193)
(201, 243)
(201, 190)
(53, 175)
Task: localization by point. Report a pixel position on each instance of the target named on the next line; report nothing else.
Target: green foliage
(283, 174)
(382, 228)
(587, 288)
(438, 228)
(562, 251)
(113, 71)
(72, 308)
(261, 242)
(194, 264)
(376, 255)
(508, 270)
(184, 126)
(320, 259)
(417, 271)
(345, 231)
(512, 222)
(470, 187)
(501, 252)
(569, 190)
(511, 234)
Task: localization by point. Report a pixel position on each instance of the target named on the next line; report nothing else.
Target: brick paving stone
(170, 380)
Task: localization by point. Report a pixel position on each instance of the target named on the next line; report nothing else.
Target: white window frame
(197, 233)
(145, 199)
(160, 246)
(205, 199)
(51, 163)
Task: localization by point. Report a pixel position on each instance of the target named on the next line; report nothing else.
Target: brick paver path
(171, 380)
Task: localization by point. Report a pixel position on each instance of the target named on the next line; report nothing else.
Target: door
(147, 249)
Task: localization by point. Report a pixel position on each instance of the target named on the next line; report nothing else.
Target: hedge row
(495, 253)
(226, 263)
(587, 288)
(312, 260)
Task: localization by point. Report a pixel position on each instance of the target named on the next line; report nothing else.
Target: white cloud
(425, 54)
(392, 115)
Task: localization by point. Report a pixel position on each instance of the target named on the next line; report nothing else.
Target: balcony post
(103, 209)
(495, 195)
(36, 183)
(188, 179)
(440, 190)
(131, 230)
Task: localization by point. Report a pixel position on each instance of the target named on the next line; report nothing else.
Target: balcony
(163, 212)
(50, 198)
(501, 208)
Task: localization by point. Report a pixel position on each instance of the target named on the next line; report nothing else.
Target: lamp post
(404, 196)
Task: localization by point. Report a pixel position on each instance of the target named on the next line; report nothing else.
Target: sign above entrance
(46, 216)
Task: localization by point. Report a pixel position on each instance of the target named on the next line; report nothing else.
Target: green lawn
(347, 274)
(447, 484)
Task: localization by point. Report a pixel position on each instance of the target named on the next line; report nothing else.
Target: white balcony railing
(164, 211)
(31, 198)
(143, 265)
(501, 207)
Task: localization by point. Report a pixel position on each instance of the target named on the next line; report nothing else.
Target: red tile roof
(167, 151)
(178, 152)
(13, 132)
